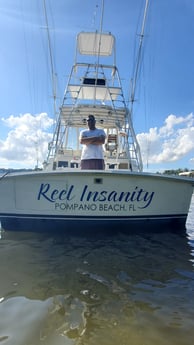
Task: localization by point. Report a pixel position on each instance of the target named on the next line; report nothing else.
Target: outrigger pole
(139, 53)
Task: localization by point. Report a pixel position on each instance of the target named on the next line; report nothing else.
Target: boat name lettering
(53, 195)
(138, 195)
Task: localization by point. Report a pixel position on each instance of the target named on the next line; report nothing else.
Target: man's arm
(93, 140)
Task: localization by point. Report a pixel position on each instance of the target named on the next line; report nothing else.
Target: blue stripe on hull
(46, 223)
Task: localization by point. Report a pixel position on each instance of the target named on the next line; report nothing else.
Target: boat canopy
(105, 116)
(93, 43)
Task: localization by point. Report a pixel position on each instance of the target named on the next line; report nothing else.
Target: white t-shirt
(92, 151)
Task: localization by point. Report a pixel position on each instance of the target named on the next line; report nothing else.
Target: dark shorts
(92, 164)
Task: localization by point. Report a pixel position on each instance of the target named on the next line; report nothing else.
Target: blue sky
(164, 111)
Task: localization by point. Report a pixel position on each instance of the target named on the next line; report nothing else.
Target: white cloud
(169, 143)
(28, 137)
(27, 140)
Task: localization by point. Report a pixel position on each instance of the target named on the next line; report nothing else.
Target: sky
(163, 113)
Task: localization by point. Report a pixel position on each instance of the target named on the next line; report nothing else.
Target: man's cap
(91, 118)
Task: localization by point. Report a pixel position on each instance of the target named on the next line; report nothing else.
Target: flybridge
(94, 87)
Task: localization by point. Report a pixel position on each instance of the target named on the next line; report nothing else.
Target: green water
(97, 290)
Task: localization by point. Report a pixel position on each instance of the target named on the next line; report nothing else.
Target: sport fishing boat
(64, 197)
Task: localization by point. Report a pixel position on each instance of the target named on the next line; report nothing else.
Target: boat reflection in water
(128, 289)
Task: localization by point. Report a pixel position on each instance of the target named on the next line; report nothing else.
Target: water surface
(105, 289)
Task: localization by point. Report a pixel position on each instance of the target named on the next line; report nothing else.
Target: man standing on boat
(93, 138)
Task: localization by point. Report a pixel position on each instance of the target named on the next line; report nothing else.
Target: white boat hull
(86, 199)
